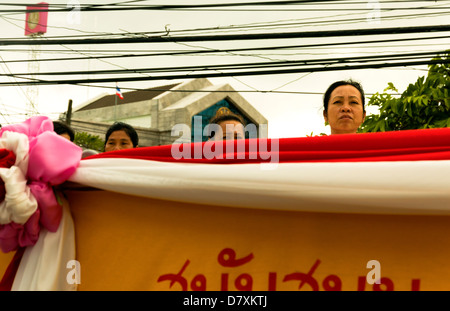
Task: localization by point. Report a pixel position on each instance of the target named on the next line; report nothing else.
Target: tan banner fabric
(126, 242)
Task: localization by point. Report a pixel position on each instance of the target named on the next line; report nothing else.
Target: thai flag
(119, 92)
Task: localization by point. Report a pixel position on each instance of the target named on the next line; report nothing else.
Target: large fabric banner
(134, 243)
(342, 212)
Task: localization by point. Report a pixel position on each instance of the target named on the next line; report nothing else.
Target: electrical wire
(244, 27)
(213, 7)
(229, 74)
(215, 51)
(254, 36)
(305, 62)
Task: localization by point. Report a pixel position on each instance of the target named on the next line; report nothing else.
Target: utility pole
(33, 69)
(115, 108)
(69, 113)
(35, 27)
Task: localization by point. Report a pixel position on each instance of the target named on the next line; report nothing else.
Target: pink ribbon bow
(52, 159)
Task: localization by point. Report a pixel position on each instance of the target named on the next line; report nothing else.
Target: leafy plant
(424, 104)
(88, 141)
(312, 134)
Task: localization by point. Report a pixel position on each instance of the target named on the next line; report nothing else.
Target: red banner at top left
(36, 19)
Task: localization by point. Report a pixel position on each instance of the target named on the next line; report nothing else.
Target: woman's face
(345, 110)
(66, 136)
(118, 140)
(230, 129)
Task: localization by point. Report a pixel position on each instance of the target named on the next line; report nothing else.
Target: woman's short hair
(332, 87)
(225, 114)
(128, 129)
(221, 118)
(63, 128)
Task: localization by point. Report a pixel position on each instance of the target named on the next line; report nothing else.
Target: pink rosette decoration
(43, 160)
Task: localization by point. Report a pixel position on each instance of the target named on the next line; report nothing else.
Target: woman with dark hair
(64, 130)
(121, 136)
(343, 104)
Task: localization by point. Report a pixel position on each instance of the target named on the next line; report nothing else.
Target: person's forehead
(65, 135)
(230, 122)
(346, 90)
(120, 134)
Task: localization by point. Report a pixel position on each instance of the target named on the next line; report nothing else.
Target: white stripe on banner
(406, 187)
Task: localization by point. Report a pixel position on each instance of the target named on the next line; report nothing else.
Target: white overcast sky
(289, 115)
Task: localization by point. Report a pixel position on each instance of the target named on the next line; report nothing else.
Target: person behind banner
(64, 130)
(120, 136)
(226, 125)
(343, 104)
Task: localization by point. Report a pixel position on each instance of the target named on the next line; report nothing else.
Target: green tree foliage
(424, 104)
(88, 141)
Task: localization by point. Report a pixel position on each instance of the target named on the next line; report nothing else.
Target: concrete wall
(118, 112)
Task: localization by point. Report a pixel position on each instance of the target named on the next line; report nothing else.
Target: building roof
(128, 97)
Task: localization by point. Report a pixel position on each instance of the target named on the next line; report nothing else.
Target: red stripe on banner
(10, 273)
(406, 145)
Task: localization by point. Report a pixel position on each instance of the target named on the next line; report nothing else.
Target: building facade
(156, 112)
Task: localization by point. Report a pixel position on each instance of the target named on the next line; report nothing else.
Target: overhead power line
(285, 63)
(215, 51)
(127, 6)
(242, 27)
(213, 6)
(230, 73)
(163, 89)
(235, 37)
(230, 28)
(128, 3)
